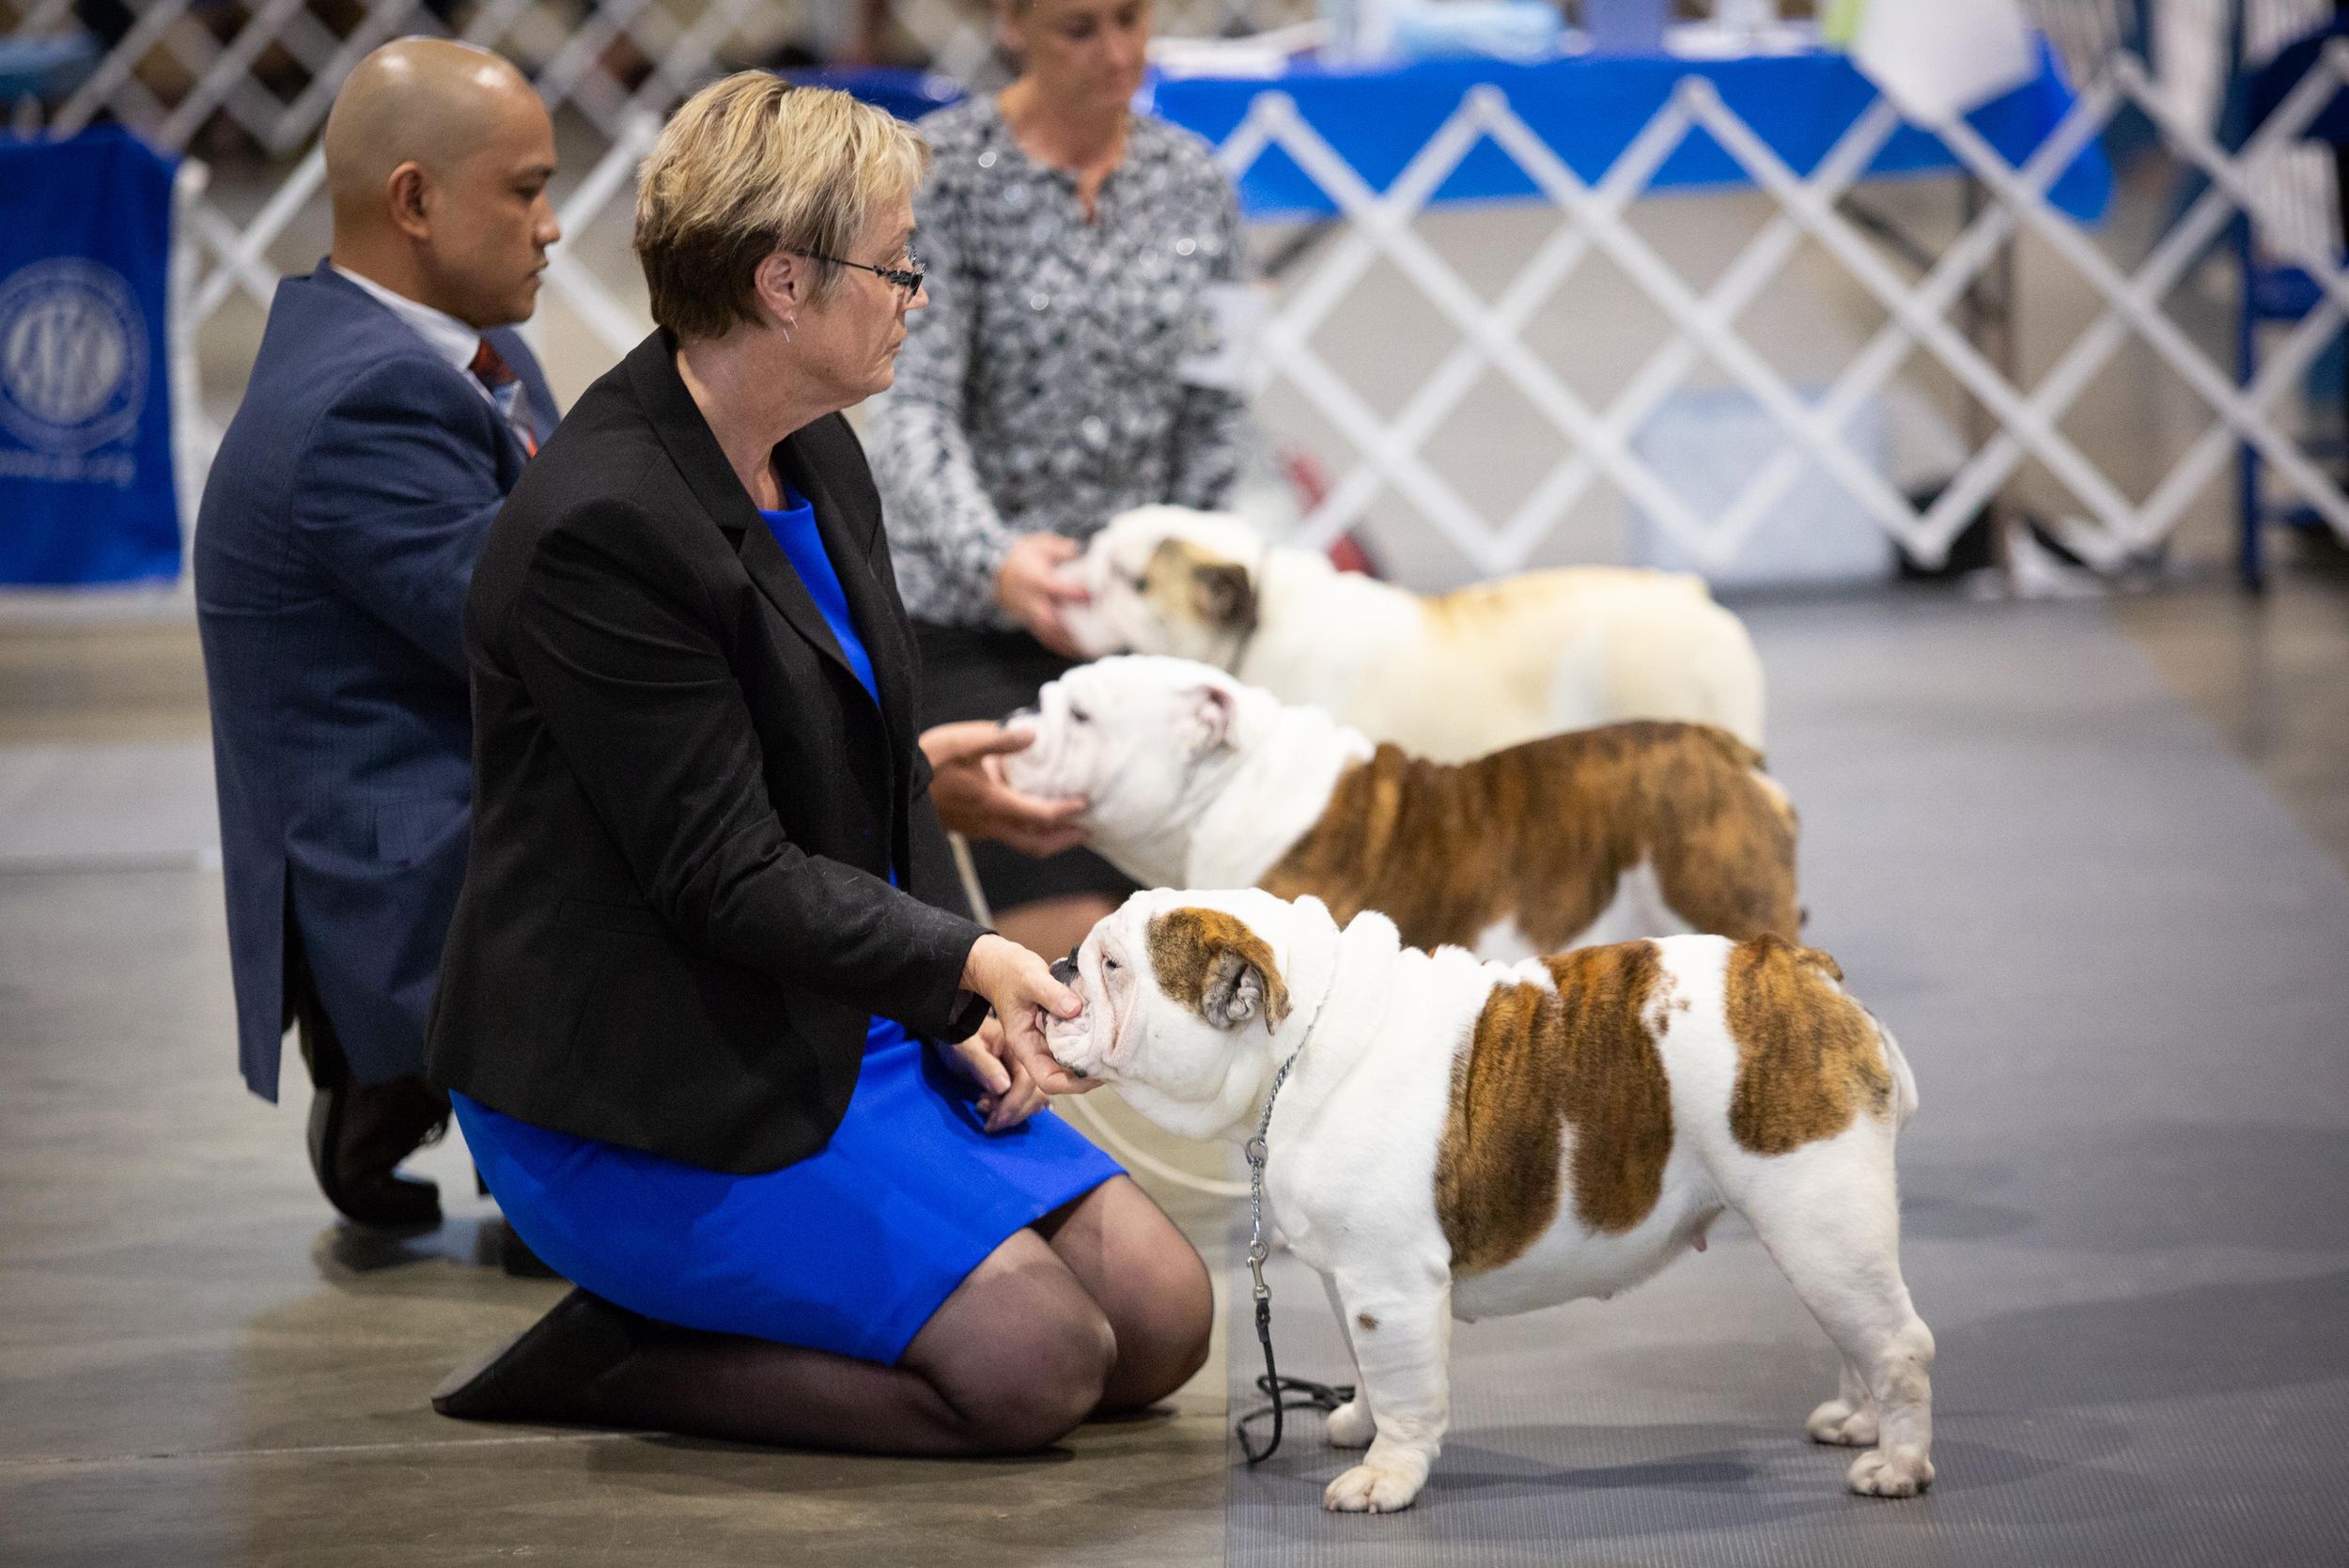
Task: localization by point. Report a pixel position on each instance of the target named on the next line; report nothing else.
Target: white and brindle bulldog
(1460, 1138)
(1449, 677)
(1193, 780)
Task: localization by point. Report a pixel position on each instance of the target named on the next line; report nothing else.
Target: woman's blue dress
(849, 1249)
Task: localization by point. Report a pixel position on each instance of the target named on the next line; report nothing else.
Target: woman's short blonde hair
(750, 166)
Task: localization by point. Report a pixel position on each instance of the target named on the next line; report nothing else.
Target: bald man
(390, 411)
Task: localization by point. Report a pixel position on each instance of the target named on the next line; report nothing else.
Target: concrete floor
(197, 1366)
(2269, 677)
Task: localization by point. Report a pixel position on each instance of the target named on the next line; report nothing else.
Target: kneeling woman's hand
(1008, 1055)
(1007, 1094)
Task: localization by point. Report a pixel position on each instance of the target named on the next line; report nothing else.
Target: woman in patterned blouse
(1072, 248)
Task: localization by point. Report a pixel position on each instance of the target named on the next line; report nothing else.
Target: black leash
(1310, 1395)
(1278, 1390)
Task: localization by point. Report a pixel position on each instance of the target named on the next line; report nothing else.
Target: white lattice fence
(1595, 444)
(266, 71)
(190, 74)
(270, 69)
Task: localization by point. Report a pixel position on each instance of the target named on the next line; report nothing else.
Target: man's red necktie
(506, 389)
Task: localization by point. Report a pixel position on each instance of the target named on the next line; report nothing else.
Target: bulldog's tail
(1903, 1081)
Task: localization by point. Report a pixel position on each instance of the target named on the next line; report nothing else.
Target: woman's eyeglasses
(908, 278)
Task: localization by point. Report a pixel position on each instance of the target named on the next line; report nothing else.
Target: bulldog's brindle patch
(1186, 582)
(1808, 1056)
(1542, 834)
(1541, 1060)
(1202, 956)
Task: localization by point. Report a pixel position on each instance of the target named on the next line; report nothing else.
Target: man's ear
(1223, 596)
(1212, 963)
(406, 191)
(1211, 718)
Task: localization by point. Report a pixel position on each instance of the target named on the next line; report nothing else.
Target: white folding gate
(1598, 444)
(572, 50)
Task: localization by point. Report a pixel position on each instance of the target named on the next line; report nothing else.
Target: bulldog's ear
(1187, 583)
(1211, 718)
(1214, 964)
(1240, 988)
(1222, 595)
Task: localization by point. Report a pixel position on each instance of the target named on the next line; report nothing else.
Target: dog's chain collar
(1272, 1384)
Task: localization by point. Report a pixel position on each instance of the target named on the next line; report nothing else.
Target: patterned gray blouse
(1044, 387)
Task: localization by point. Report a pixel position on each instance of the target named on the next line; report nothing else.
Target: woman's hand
(1031, 588)
(1007, 1093)
(974, 798)
(1020, 987)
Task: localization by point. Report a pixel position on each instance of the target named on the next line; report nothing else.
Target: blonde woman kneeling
(720, 1064)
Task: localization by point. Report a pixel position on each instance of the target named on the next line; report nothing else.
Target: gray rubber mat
(2121, 975)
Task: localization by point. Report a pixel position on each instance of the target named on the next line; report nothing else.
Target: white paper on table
(1223, 352)
(1936, 60)
(1257, 55)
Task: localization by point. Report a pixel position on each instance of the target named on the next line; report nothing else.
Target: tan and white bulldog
(1461, 1139)
(1449, 678)
(1193, 780)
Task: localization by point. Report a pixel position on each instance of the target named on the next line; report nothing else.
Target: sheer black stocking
(1108, 1314)
(1149, 1282)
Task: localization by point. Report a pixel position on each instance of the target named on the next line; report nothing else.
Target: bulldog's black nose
(1065, 970)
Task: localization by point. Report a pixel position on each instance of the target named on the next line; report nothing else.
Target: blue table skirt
(1588, 108)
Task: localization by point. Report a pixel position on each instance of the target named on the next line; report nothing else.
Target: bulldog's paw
(1374, 1489)
(1350, 1425)
(1890, 1473)
(1837, 1422)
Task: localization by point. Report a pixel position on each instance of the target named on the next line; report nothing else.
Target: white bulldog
(1193, 780)
(1449, 678)
(1457, 1138)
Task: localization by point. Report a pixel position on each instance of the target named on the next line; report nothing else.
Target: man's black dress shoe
(543, 1373)
(360, 1133)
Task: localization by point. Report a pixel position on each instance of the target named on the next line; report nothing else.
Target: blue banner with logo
(85, 480)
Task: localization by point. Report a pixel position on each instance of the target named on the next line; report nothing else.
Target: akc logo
(72, 355)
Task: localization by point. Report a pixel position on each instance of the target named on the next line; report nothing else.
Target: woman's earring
(788, 322)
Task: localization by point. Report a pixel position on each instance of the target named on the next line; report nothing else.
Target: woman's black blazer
(677, 914)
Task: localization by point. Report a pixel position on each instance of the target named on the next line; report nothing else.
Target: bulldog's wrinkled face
(1168, 579)
(1186, 995)
(1126, 736)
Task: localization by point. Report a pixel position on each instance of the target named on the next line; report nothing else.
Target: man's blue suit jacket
(332, 554)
